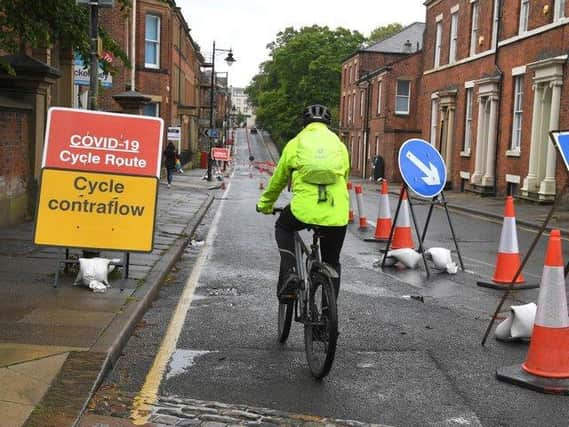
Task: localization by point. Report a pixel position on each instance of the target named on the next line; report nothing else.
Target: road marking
(147, 396)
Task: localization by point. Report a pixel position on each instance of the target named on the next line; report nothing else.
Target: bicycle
(314, 305)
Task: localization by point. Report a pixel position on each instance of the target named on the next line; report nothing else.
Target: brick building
(492, 88)
(166, 68)
(379, 92)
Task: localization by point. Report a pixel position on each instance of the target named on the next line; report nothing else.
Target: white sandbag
(442, 259)
(93, 272)
(518, 324)
(406, 256)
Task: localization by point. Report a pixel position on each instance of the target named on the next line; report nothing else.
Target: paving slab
(14, 353)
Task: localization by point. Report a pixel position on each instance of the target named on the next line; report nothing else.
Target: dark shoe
(286, 291)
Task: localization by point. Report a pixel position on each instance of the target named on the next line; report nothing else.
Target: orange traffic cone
(402, 236)
(384, 223)
(351, 212)
(508, 260)
(546, 368)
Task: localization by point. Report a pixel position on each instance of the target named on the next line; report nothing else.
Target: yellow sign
(95, 210)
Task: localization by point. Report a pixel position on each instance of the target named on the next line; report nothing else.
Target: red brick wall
(14, 152)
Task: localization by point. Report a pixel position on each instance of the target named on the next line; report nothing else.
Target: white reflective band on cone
(552, 302)
(384, 211)
(360, 204)
(403, 217)
(509, 237)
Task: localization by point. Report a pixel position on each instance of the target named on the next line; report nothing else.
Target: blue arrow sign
(561, 140)
(422, 167)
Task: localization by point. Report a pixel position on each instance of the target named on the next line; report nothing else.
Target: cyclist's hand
(264, 210)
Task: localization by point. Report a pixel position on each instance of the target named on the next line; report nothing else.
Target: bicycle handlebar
(275, 210)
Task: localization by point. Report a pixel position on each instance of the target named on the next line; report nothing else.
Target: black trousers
(330, 243)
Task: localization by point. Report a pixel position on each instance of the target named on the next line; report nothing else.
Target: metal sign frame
(439, 199)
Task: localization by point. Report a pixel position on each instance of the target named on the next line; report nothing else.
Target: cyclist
(317, 164)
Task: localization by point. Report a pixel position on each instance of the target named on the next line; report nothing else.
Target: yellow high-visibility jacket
(304, 204)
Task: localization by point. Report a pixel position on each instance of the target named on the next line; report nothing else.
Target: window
(379, 84)
(361, 103)
(152, 42)
(349, 109)
(524, 16)
(351, 74)
(434, 119)
(468, 122)
(559, 9)
(474, 29)
(402, 97)
(438, 43)
(152, 109)
(453, 38)
(518, 112)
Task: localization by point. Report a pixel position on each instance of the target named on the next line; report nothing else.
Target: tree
(303, 69)
(384, 32)
(41, 24)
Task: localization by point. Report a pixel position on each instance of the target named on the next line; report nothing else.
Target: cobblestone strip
(174, 411)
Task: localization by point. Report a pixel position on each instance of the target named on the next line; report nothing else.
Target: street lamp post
(229, 60)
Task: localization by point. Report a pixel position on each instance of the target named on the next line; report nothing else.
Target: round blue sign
(422, 167)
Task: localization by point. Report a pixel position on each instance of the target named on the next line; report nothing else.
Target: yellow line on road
(147, 396)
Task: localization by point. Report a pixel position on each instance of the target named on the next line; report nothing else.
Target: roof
(397, 42)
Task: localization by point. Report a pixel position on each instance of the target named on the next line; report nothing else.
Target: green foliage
(40, 24)
(304, 68)
(383, 32)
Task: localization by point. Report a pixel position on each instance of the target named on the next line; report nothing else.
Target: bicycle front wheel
(284, 320)
(321, 329)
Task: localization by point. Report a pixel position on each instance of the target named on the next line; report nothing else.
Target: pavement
(56, 344)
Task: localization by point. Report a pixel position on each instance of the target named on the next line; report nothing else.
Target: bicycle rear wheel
(284, 320)
(321, 330)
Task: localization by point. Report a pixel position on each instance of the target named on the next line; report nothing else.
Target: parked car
(253, 130)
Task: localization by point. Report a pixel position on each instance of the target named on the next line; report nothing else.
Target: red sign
(218, 153)
(97, 141)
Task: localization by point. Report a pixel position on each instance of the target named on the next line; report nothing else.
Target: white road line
(147, 396)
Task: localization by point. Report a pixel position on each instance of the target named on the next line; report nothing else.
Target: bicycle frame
(305, 259)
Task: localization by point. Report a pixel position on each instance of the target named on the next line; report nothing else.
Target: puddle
(182, 360)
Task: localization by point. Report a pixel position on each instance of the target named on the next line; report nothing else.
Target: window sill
(513, 153)
(401, 113)
(465, 153)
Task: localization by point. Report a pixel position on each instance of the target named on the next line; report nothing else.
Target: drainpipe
(500, 92)
(133, 47)
(366, 127)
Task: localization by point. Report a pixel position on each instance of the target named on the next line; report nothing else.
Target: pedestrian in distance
(170, 157)
(317, 163)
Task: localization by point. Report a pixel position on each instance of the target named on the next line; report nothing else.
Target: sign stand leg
(524, 261)
(421, 250)
(444, 203)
